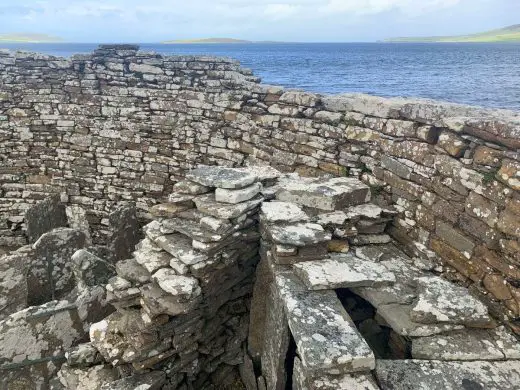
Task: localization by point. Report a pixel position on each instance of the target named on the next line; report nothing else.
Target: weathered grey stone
(86, 378)
(151, 257)
(342, 271)
(331, 382)
(131, 270)
(83, 355)
(397, 316)
(208, 205)
(276, 339)
(217, 225)
(440, 301)
(148, 381)
(89, 270)
(173, 207)
(221, 177)
(301, 234)
(39, 334)
(189, 228)
(237, 196)
(190, 188)
(179, 246)
(437, 375)
(13, 281)
(284, 212)
(370, 239)
(45, 216)
(468, 344)
(185, 288)
(325, 194)
(50, 274)
(124, 231)
(326, 338)
(156, 301)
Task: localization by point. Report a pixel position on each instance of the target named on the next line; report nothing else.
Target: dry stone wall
(124, 125)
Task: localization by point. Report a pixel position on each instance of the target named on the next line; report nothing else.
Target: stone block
(45, 216)
(124, 231)
(228, 178)
(343, 271)
(325, 194)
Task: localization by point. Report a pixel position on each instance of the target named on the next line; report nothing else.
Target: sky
(107, 21)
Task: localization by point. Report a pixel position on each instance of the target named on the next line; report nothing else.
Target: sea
(483, 74)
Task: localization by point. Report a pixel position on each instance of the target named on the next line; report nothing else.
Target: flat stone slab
(208, 205)
(440, 301)
(300, 234)
(468, 344)
(397, 317)
(180, 247)
(331, 382)
(438, 375)
(44, 216)
(190, 188)
(183, 287)
(381, 253)
(282, 212)
(237, 196)
(149, 381)
(342, 271)
(151, 257)
(326, 338)
(403, 291)
(189, 228)
(221, 177)
(325, 194)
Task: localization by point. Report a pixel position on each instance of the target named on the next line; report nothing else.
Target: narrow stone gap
(289, 362)
(384, 342)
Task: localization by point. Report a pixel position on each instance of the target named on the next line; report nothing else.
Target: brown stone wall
(124, 125)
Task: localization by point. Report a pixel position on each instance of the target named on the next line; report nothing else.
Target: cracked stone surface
(180, 247)
(301, 234)
(189, 228)
(183, 287)
(440, 301)
(229, 178)
(331, 382)
(398, 318)
(237, 196)
(208, 205)
(282, 212)
(468, 344)
(437, 375)
(13, 281)
(325, 194)
(342, 271)
(151, 257)
(190, 188)
(326, 338)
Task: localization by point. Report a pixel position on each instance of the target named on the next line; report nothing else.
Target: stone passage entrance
(248, 278)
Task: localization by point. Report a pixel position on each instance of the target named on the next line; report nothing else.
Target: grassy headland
(29, 38)
(506, 34)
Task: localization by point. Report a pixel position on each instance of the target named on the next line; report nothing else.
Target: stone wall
(123, 125)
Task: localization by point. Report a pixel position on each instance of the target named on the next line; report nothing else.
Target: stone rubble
(422, 188)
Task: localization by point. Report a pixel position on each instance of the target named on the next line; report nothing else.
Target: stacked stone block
(182, 299)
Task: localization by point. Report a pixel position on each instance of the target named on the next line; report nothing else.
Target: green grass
(29, 38)
(507, 34)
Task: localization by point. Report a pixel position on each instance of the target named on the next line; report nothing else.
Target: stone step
(326, 338)
(468, 344)
(440, 301)
(299, 234)
(438, 375)
(323, 193)
(331, 382)
(342, 271)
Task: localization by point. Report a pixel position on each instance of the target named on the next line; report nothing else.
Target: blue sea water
(472, 73)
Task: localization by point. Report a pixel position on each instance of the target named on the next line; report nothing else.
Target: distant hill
(208, 40)
(506, 34)
(29, 38)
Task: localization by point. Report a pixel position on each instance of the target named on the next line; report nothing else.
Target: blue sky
(285, 20)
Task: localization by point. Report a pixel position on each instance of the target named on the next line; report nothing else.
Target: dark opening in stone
(384, 342)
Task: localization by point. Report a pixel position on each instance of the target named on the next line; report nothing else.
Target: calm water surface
(478, 74)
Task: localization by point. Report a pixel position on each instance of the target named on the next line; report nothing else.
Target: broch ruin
(171, 223)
